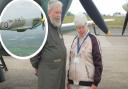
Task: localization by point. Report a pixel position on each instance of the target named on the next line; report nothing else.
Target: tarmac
(114, 57)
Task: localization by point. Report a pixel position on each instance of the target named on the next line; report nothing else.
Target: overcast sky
(19, 9)
(104, 6)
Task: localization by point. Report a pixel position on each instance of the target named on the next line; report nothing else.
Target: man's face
(55, 15)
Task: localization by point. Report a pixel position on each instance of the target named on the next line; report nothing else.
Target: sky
(107, 7)
(21, 9)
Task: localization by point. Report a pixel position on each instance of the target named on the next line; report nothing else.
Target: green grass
(68, 19)
(118, 23)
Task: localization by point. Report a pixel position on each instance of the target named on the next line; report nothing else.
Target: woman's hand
(93, 86)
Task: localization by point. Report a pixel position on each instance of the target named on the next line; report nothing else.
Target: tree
(69, 14)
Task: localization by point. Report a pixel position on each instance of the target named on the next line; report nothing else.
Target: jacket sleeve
(97, 60)
(35, 60)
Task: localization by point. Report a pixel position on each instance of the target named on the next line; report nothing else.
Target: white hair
(80, 19)
(53, 3)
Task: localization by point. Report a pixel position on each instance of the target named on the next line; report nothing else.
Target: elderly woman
(85, 63)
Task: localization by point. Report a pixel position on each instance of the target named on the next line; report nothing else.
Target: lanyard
(78, 43)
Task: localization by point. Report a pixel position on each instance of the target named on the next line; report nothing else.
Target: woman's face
(81, 30)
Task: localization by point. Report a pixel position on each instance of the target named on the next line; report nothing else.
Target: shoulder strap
(73, 41)
(71, 47)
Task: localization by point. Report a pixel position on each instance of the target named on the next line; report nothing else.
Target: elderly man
(51, 61)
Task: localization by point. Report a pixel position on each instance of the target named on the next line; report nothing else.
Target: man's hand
(68, 86)
(36, 72)
(93, 86)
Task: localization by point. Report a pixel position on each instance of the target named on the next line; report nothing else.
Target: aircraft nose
(125, 7)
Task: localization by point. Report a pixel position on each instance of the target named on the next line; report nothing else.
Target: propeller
(66, 5)
(94, 14)
(125, 7)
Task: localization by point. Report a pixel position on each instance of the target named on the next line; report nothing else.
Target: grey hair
(80, 19)
(53, 3)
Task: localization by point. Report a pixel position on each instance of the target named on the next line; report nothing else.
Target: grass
(118, 23)
(68, 19)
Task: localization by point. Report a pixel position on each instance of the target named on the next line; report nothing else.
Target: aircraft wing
(71, 26)
(68, 26)
(21, 24)
(22, 28)
(106, 20)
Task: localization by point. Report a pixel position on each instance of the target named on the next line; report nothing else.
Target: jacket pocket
(87, 70)
(91, 71)
(72, 71)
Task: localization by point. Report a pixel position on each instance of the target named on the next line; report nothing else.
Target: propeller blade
(66, 5)
(94, 14)
(125, 23)
(43, 4)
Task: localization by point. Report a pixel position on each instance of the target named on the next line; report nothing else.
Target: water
(23, 43)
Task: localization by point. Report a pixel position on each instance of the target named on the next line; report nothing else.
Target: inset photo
(23, 28)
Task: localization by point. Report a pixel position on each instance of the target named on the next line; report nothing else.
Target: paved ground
(115, 61)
